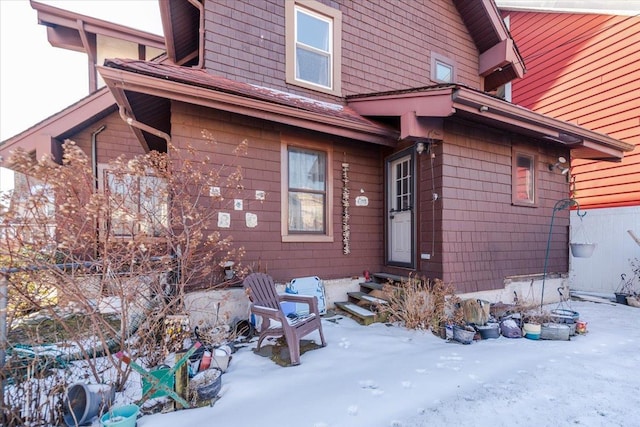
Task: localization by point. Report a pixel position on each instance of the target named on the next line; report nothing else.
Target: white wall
(607, 228)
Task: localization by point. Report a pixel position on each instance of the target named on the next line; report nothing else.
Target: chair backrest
(262, 290)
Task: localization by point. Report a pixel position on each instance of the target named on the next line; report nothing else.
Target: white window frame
(441, 60)
(289, 236)
(322, 12)
(138, 227)
(529, 179)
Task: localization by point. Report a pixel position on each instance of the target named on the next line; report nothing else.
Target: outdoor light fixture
(420, 147)
(558, 165)
(483, 109)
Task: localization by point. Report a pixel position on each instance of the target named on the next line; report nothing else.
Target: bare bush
(421, 303)
(108, 265)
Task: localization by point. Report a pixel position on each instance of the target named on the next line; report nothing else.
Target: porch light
(558, 165)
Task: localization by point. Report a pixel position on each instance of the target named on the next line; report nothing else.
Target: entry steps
(363, 306)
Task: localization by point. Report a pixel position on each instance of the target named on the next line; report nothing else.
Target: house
(375, 150)
(588, 74)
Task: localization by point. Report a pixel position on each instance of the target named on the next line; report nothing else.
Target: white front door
(400, 215)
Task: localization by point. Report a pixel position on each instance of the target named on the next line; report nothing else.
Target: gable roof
(500, 61)
(141, 87)
(41, 136)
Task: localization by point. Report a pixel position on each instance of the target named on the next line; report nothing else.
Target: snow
(384, 376)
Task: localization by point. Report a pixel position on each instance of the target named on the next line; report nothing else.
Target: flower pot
(82, 402)
(555, 331)
(207, 384)
(532, 330)
(463, 335)
(622, 298)
(582, 250)
(122, 416)
(581, 327)
(488, 331)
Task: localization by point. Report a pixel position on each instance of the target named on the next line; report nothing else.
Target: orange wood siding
(583, 68)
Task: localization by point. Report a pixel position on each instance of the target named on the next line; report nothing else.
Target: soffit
(487, 29)
(74, 31)
(181, 25)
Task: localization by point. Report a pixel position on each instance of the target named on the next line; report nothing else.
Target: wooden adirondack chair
(266, 303)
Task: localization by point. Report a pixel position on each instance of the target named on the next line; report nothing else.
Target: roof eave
(584, 143)
(59, 19)
(38, 138)
(449, 101)
(120, 81)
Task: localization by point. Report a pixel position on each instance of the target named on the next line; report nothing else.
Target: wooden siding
(386, 45)
(116, 139)
(583, 69)
(481, 237)
(261, 171)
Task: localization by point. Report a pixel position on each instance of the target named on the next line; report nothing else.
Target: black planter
(622, 298)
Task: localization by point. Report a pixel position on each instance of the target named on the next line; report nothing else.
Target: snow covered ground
(382, 376)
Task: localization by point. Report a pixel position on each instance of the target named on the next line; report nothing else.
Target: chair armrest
(310, 300)
(267, 312)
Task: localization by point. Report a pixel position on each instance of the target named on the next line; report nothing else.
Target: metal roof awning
(415, 105)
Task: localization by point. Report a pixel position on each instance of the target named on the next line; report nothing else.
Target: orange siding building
(583, 68)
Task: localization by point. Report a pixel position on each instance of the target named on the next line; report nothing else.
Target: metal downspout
(133, 122)
(94, 153)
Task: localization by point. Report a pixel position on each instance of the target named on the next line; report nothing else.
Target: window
(306, 196)
(137, 204)
(313, 46)
(524, 179)
(443, 69)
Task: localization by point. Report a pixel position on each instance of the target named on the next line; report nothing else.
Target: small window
(137, 205)
(443, 69)
(524, 178)
(313, 46)
(306, 194)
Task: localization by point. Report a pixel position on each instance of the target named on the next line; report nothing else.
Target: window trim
(521, 152)
(285, 143)
(314, 7)
(438, 58)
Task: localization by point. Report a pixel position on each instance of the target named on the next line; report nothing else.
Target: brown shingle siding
(385, 45)
(261, 169)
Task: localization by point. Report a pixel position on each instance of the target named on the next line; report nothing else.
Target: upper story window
(443, 69)
(306, 193)
(524, 178)
(313, 46)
